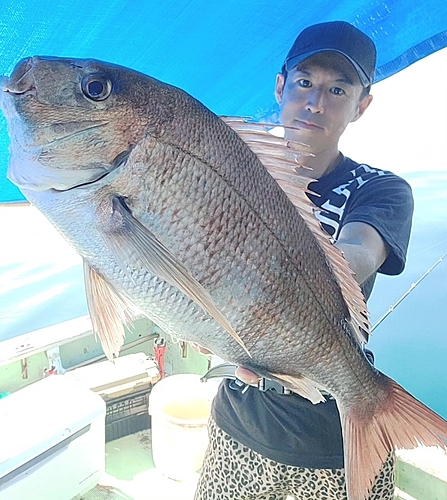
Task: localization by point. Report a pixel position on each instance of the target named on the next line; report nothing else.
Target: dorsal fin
(281, 158)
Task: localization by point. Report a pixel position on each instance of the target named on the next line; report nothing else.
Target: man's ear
(362, 107)
(279, 87)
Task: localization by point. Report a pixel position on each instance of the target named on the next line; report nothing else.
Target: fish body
(175, 215)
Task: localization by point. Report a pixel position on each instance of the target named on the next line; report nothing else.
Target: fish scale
(186, 175)
(179, 216)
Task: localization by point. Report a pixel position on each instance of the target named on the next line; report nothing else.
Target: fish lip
(21, 82)
(3, 82)
(31, 91)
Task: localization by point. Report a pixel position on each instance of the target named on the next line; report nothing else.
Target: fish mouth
(82, 185)
(21, 81)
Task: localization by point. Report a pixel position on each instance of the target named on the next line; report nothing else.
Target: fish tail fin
(400, 421)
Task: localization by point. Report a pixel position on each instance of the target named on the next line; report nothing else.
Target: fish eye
(96, 87)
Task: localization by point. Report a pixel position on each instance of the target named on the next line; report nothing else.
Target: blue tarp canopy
(225, 53)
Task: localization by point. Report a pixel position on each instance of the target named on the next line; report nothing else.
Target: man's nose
(315, 102)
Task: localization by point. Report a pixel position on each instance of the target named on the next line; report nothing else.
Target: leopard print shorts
(232, 471)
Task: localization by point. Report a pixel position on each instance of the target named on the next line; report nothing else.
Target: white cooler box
(52, 444)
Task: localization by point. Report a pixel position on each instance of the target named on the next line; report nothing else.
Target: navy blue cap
(336, 36)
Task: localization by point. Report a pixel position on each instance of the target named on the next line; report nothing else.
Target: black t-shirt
(288, 428)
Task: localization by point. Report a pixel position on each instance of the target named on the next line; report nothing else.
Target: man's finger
(247, 376)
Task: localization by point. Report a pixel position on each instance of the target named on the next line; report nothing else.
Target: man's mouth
(306, 125)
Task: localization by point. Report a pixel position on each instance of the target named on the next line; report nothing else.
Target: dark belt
(227, 370)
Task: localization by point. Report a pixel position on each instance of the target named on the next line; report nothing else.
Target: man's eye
(337, 91)
(302, 82)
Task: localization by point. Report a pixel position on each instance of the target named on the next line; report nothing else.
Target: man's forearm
(360, 260)
(363, 248)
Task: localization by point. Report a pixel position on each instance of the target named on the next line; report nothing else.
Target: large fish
(177, 217)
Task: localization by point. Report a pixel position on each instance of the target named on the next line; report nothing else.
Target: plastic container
(125, 386)
(51, 441)
(180, 406)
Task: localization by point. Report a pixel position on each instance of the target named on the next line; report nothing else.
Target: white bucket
(180, 406)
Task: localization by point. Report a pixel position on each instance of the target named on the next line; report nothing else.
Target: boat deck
(131, 474)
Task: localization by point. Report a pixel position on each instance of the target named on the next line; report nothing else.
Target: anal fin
(302, 386)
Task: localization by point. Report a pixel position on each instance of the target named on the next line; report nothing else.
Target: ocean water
(41, 275)
(411, 343)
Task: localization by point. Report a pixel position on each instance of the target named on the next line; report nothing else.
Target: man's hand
(242, 374)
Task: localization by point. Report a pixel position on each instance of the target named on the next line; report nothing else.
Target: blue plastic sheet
(225, 53)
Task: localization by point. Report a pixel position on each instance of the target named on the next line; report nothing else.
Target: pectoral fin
(109, 311)
(135, 247)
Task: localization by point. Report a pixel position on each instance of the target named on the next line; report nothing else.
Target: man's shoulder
(359, 169)
(362, 173)
(360, 183)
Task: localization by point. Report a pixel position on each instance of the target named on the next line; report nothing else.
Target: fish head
(71, 121)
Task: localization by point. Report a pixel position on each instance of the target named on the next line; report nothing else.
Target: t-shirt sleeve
(386, 203)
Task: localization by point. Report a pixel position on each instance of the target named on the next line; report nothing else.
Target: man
(266, 445)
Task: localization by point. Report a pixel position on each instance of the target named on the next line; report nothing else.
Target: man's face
(319, 98)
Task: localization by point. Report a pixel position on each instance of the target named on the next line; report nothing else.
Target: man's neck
(318, 163)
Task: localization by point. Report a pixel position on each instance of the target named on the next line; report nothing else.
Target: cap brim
(293, 61)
